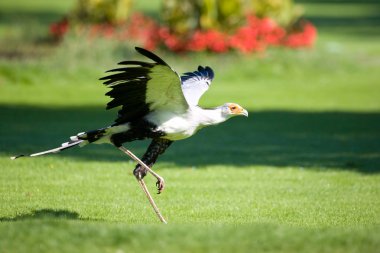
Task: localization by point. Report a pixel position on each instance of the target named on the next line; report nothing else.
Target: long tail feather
(81, 139)
(64, 146)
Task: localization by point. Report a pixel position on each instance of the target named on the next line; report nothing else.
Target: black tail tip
(15, 157)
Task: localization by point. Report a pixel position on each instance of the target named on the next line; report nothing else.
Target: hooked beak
(244, 112)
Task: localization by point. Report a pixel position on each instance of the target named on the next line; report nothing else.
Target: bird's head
(232, 109)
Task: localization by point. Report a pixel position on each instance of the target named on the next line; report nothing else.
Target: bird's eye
(233, 107)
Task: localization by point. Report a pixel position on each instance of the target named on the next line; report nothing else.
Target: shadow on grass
(44, 214)
(338, 140)
(364, 21)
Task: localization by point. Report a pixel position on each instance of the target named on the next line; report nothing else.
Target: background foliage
(101, 11)
(184, 17)
(217, 26)
(286, 13)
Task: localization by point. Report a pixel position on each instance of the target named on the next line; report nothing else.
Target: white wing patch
(195, 84)
(164, 90)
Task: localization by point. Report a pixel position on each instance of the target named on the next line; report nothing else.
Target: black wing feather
(139, 63)
(128, 87)
(151, 56)
(124, 87)
(206, 73)
(128, 74)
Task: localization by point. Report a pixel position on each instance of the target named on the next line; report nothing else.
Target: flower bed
(254, 36)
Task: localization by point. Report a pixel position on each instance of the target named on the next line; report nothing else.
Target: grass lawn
(301, 174)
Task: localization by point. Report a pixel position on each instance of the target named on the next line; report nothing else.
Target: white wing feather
(195, 84)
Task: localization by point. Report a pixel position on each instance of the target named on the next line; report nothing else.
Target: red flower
(216, 41)
(245, 39)
(256, 35)
(59, 29)
(174, 43)
(198, 42)
(304, 38)
(275, 36)
(145, 30)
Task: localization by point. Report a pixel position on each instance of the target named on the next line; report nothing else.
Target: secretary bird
(156, 103)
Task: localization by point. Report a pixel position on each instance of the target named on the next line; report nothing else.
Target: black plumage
(157, 147)
(202, 72)
(139, 130)
(94, 135)
(128, 88)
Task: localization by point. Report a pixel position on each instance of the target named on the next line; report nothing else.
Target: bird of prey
(155, 103)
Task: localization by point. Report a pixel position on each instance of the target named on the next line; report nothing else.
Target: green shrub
(180, 16)
(283, 11)
(101, 11)
(224, 14)
(185, 16)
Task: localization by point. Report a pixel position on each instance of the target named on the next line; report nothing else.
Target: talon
(160, 184)
(158, 187)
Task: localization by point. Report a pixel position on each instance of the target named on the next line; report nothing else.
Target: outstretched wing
(194, 84)
(143, 87)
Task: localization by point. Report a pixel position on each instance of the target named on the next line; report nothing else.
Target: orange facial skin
(236, 109)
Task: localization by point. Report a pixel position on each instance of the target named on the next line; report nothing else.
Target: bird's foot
(139, 172)
(160, 184)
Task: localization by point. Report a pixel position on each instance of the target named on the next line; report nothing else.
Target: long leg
(156, 148)
(141, 174)
(143, 185)
(151, 201)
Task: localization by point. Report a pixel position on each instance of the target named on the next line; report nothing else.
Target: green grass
(301, 174)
